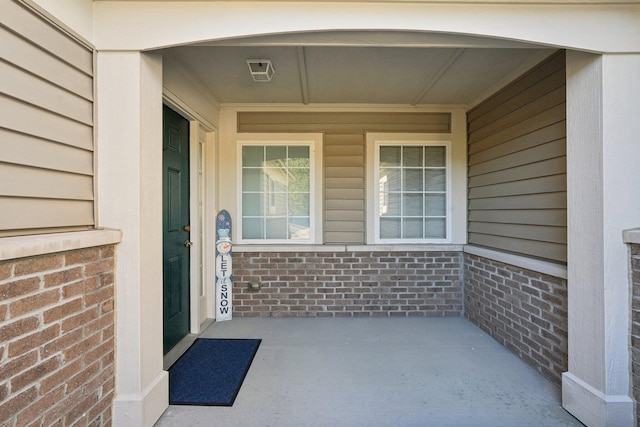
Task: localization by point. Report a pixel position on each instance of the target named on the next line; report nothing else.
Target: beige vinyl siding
(344, 216)
(344, 188)
(517, 166)
(343, 122)
(46, 125)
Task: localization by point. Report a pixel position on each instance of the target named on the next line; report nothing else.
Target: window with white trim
(412, 197)
(278, 191)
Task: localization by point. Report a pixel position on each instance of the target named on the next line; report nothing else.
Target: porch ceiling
(362, 67)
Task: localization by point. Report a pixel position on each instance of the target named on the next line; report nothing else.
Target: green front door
(175, 221)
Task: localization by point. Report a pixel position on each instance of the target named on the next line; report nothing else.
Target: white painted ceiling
(358, 67)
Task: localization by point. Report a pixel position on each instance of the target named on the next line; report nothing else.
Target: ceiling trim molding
(435, 108)
(302, 67)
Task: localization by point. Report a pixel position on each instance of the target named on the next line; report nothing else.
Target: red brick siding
(56, 339)
(635, 324)
(348, 284)
(523, 310)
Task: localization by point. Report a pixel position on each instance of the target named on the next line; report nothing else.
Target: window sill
(631, 236)
(348, 248)
(42, 244)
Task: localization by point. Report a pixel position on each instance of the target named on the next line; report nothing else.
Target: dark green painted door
(175, 221)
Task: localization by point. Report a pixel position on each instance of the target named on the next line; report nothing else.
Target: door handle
(188, 243)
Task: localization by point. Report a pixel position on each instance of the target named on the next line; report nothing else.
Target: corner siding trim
(42, 244)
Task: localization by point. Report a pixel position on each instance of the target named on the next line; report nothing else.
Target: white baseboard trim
(144, 409)
(594, 408)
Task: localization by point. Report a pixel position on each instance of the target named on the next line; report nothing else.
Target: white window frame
(314, 142)
(374, 141)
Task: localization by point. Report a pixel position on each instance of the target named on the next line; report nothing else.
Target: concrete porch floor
(378, 372)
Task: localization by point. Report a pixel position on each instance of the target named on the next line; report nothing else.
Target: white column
(129, 174)
(603, 158)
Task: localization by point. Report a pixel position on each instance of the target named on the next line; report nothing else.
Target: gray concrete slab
(378, 372)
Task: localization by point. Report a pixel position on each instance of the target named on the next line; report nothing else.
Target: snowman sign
(224, 267)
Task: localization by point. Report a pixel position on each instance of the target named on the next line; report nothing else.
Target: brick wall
(635, 324)
(347, 284)
(57, 339)
(523, 310)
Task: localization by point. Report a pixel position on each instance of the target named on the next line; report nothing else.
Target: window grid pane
(412, 193)
(276, 192)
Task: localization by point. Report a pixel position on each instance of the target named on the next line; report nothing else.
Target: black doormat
(211, 372)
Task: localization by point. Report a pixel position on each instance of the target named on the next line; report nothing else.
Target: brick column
(632, 238)
(57, 338)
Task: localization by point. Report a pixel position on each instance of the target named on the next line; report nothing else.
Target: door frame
(202, 156)
(201, 200)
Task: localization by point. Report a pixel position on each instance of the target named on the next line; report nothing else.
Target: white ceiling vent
(261, 69)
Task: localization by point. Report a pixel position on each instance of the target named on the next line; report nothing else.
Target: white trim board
(41, 244)
(347, 248)
(539, 266)
(631, 236)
